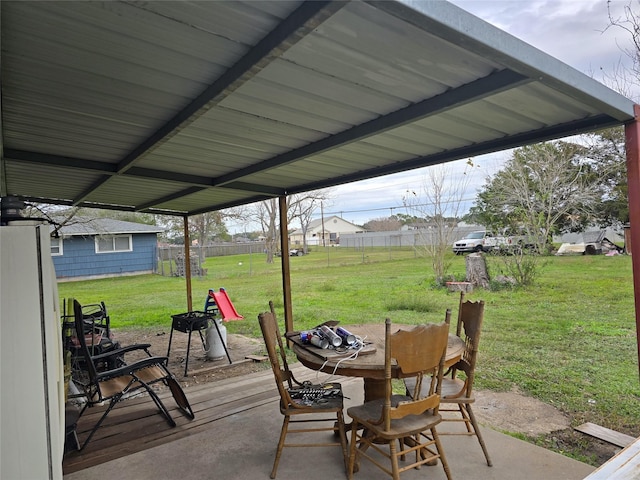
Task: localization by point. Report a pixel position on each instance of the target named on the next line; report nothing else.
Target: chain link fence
(171, 258)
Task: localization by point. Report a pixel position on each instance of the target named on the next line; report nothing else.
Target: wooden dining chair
(299, 400)
(380, 424)
(457, 391)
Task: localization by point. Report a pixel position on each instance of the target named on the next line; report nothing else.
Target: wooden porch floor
(136, 424)
(230, 408)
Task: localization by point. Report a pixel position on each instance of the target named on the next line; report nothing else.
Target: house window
(113, 243)
(56, 246)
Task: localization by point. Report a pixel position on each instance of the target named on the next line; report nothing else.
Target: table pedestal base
(373, 389)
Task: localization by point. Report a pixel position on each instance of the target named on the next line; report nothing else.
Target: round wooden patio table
(369, 366)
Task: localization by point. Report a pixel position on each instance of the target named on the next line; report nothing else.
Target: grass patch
(568, 340)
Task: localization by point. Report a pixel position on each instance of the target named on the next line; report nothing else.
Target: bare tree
(626, 78)
(440, 201)
(302, 206)
(265, 213)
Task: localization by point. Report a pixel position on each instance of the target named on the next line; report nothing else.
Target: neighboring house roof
(84, 226)
(316, 225)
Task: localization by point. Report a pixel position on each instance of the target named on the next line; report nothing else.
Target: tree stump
(465, 287)
(477, 270)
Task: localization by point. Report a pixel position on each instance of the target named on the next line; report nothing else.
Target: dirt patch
(201, 369)
(540, 423)
(510, 412)
(514, 412)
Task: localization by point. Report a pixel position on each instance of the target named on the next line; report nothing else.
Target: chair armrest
(134, 367)
(123, 350)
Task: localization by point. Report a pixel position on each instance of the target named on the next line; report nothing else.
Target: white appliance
(31, 366)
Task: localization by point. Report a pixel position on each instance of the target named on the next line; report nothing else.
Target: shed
(103, 247)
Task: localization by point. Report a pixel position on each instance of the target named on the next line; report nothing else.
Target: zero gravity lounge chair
(121, 381)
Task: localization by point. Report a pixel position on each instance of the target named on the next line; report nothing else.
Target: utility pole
(322, 217)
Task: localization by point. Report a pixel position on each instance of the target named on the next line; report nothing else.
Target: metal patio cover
(187, 107)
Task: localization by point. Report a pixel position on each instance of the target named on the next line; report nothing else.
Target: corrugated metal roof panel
(184, 107)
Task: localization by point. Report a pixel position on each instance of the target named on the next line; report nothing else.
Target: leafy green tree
(383, 224)
(606, 150)
(544, 189)
(203, 227)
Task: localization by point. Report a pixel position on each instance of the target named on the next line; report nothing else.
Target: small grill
(187, 323)
(191, 321)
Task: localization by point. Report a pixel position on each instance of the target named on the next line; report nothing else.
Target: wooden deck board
(136, 424)
(606, 434)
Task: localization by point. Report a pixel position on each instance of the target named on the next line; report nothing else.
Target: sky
(573, 31)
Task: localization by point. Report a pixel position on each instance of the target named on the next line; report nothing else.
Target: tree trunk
(477, 270)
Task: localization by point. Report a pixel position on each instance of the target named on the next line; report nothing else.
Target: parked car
(479, 241)
(294, 252)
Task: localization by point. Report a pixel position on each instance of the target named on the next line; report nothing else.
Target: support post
(632, 144)
(187, 264)
(286, 267)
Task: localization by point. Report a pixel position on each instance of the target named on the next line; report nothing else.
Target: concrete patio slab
(242, 446)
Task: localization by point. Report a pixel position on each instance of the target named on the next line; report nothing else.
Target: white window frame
(60, 251)
(113, 239)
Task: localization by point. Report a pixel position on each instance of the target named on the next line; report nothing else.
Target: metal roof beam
(60, 161)
(490, 85)
(122, 208)
(149, 173)
(246, 201)
(265, 192)
(550, 133)
(168, 198)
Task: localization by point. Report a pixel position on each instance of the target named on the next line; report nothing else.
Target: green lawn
(569, 340)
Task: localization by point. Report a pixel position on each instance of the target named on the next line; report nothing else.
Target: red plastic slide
(225, 307)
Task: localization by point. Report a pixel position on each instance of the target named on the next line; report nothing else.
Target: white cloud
(573, 31)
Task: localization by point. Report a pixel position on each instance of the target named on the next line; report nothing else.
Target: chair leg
(353, 450)
(401, 442)
(476, 429)
(443, 458)
(283, 435)
(112, 404)
(160, 405)
(343, 440)
(393, 456)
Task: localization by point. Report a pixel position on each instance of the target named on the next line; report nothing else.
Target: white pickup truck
(480, 241)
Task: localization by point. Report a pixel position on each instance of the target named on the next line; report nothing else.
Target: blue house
(102, 247)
